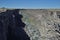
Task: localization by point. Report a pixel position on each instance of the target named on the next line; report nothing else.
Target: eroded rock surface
(42, 24)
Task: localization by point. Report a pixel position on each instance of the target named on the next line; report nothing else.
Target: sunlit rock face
(42, 24)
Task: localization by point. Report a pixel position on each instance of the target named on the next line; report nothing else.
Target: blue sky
(30, 3)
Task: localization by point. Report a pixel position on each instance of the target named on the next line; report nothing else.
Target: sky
(30, 4)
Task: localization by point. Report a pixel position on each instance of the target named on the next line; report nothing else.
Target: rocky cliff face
(42, 24)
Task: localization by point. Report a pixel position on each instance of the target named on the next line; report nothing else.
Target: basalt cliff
(41, 24)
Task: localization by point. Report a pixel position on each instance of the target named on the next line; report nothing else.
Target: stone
(41, 24)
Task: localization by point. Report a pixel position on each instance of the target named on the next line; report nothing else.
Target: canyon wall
(41, 24)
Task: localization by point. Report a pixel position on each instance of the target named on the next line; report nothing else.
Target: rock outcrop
(42, 24)
(11, 26)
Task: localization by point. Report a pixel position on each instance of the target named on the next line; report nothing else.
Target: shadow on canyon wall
(11, 26)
